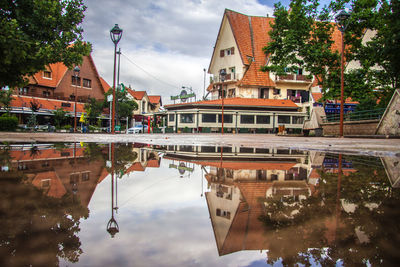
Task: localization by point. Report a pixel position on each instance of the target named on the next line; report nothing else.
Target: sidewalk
(365, 146)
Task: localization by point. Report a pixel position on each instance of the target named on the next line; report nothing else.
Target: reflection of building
(239, 180)
(58, 171)
(392, 168)
(146, 158)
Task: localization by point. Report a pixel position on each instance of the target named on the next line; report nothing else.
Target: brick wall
(87, 72)
(351, 128)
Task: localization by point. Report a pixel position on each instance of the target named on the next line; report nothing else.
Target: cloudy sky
(165, 44)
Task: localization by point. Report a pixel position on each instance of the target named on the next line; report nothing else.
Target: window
(277, 91)
(186, 118)
(74, 178)
(246, 150)
(227, 52)
(46, 93)
(262, 150)
(232, 92)
(85, 176)
(76, 80)
(45, 183)
(209, 149)
(297, 120)
(143, 106)
(171, 117)
(263, 119)
(208, 117)
(247, 119)
(65, 104)
(299, 71)
(23, 91)
(47, 74)
(284, 119)
(227, 118)
(225, 149)
(264, 93)
(87, 83)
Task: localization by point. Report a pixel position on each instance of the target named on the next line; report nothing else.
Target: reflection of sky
(163, 221)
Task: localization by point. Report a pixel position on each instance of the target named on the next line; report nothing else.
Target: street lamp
(341, 20)
(76, 75)
(115, 34)
(222, 75)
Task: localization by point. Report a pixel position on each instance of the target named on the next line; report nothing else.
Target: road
(365, 146)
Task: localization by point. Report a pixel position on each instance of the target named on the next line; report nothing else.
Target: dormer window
(47, 74)
(227, 52)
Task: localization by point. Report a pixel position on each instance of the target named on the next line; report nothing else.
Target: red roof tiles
(237, 101)
(57, 73)
(155, 99)
(44, 103)
(137, 94)
(105, 85)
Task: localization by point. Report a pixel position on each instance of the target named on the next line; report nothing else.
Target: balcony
(293, 78)
(229, 77)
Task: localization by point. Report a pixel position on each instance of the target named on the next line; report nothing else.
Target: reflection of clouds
(166, 225)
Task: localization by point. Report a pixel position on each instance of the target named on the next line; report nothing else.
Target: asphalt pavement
(365, 146)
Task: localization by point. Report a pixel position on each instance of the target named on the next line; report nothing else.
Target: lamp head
(222, 74)
(76, 71)
(116, 34)
(341, 20)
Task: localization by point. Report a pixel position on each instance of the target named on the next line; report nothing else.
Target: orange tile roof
(103, 175)
(56, 189)
(241, 30)
(45, 154)
(153, 163)
(317, 96)
(245, 165)
(155, 99)
(137, 94)
(105, 85)
(237, 101)
(57, 73)
(251, 35)
(45, 103)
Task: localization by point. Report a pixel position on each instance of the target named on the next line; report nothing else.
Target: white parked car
(138, 129)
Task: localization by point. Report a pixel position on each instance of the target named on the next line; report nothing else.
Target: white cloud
(171, 39)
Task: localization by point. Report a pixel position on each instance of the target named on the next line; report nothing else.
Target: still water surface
(139, 205)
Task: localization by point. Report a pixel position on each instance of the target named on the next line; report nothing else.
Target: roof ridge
(227, 9)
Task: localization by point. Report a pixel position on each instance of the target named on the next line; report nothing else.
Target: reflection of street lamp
(115, 34)
(341, 20)
(112, 225)
(76, 75)
(222, 74)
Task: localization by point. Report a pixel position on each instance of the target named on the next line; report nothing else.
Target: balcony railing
(228, 77)
(293, 77)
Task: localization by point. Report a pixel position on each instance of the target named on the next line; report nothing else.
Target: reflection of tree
(361, 226)
(123, 155)
(37, 230)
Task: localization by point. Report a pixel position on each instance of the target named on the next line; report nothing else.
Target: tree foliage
(94, 109)
(60, 117)
(37, 33)
(5, 99)
(303, 38)
(124, 106)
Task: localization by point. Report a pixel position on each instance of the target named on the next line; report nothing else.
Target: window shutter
(232, 50)
(221, 53)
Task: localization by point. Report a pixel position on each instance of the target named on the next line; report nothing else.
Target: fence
(375, 114)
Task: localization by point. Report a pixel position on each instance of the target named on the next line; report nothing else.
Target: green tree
(302, 38)
(37, 33)
(5, 99)
(93, 109)
(32, 120)
(125, 106)
(60, 116)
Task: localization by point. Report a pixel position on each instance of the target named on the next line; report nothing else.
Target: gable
(225, 40)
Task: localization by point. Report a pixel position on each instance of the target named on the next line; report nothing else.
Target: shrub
(8, 123)
(67, 127)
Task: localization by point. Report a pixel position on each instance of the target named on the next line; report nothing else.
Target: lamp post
(115, 34)
(341, 20)
(222, 75)
(76, 75)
